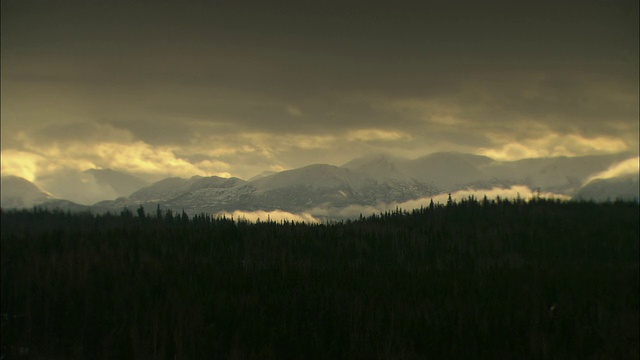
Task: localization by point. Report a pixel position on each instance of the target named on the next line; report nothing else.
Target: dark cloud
(246, 82)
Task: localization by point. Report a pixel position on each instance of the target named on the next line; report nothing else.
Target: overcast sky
(233, 88)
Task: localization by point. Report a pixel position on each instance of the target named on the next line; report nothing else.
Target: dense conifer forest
(541, 279)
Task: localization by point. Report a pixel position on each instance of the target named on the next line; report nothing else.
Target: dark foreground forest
(470, 280)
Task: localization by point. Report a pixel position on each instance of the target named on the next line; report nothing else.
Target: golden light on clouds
(553, 145)
(140, 157)
(137, 157)
(307, 142)
(21, 163)
(439, 111)
(627, 167)
(377, 135)
(230, 93)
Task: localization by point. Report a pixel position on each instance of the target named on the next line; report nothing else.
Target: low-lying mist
(324, 213)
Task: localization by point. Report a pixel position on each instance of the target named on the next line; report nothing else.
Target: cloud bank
(626, 167)
(197, 88)
(321, 214)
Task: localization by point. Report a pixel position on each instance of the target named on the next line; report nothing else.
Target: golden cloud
(376, 135)
(140, 157)
(552, 145)
(626, 167)
(444, 112)
(136, 157)
(21, 163)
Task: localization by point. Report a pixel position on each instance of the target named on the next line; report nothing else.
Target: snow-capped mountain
(328, 185)
(194, 194)
(291, 190)
(377, 179)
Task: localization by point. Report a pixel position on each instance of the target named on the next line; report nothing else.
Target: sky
(234, 88)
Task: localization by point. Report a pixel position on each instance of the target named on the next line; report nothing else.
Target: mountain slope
(195, 194)
(291, 190)
(18, 192)
(622, 187)
(313, 176)
(450, 171)
(559, 174)
(378, 167)
(372, 180)
(90, 186)
(123, 184)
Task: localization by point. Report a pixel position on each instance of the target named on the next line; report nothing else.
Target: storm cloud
(235, 88)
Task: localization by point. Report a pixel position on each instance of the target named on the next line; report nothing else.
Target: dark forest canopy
(470, 279)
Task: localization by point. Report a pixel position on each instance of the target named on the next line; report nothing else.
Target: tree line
(538, 279)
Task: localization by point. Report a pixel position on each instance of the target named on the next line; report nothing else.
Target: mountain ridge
(366, 181)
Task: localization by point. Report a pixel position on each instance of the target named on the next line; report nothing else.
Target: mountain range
(366, 181)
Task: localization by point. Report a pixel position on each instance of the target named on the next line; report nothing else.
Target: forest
(470, 279)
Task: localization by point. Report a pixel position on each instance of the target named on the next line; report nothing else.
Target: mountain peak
(367, 159)
(366, 181)
(315, 175)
